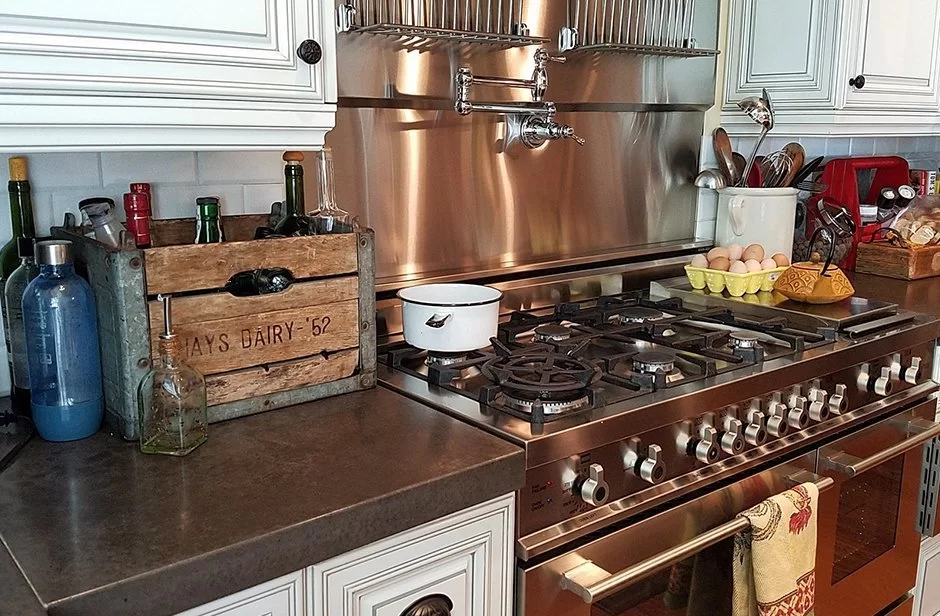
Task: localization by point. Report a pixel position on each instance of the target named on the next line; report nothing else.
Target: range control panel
(582, 483)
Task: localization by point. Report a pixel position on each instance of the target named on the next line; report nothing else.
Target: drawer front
(280, 597)
(464, 560)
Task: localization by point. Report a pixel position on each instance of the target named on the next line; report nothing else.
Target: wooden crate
(885, 259)
(313, 340)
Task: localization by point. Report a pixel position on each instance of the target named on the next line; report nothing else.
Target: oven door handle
(593, 583)
(921, 431)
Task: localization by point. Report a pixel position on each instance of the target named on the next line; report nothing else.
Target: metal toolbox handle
(921, 430)
(593, 583)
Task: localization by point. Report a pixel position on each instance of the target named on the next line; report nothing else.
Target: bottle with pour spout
(171, 399)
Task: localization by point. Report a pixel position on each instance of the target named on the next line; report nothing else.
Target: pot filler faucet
(537, 123)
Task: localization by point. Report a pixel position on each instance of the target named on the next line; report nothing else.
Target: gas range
(626, 402)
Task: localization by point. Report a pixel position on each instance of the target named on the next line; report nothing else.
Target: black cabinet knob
(433, 605)
(310, 51)
(857, 82)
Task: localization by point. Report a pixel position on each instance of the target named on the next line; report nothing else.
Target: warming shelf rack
(655, 27)
(422, 23)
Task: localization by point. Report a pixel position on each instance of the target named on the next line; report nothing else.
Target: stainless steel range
(642, 412)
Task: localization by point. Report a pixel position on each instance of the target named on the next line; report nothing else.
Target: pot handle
(438, 320)
(736, 209)
(832, 246)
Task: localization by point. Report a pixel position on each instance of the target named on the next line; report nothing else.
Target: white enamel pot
(449, 318)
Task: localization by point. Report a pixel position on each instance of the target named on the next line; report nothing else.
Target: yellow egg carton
(737, 285)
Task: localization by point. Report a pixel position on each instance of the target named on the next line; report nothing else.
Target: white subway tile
(122, 168)
(172, 201)
(924, 144)
(239, 167)
(814, 146)
(259, 197)
(886, 146)
(62, 170)
(862, 146)
(707, 157)
(705, 230)
(907, 144)
(838, 147)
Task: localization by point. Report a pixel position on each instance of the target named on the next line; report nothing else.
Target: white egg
(699, 261)
(753, 265)
(735, 251)
(738, 267)
(768, 264)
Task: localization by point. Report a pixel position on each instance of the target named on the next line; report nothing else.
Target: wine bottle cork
(293, 157)
(17, 169)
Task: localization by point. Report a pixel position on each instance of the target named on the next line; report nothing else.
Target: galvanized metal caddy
(313, 340)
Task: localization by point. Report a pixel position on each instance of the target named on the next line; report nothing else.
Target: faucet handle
(542, 56)
(579, 140)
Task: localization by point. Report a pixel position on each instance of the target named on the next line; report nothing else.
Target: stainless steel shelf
(678, 52)
(414, 35)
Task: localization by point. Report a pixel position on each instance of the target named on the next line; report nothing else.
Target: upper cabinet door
(130, 74)
(894, 47)
(789, 47)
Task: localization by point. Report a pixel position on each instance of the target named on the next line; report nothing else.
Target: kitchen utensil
(450, 318)
(806, 171)
(760, 109)
(739, 163)
(797, 156)
(814, 283)
(725, 155)
(764, 216)
(775, 168)
(811, 187)
(711, 178)
(840, 222)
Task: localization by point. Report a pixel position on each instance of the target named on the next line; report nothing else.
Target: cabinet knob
(857, 82)
(433, 605)
(310, 51)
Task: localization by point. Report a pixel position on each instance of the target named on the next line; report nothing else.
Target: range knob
(755, 433)
(593, 489)
(897, 369)
(798, 417)
(732, 441)
(867, 381)
(818, 409)
(912, 374)
(649, 468)
(703, 447)
(777, 425)
(839, 400)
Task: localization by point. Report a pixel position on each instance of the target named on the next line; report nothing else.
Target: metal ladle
(760, 109)
(711, 178)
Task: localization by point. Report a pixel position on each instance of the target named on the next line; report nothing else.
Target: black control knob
(310, 51)
(593, 490)
(857, 82)
(432, 605)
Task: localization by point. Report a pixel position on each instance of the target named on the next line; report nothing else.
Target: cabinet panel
(894, 45)
(786, 47)
(466, 557)
(280, 597)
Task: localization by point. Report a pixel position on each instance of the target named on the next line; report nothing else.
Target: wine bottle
(208, 221)
(295, 221)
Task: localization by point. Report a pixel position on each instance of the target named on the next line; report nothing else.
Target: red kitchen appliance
(842, 178)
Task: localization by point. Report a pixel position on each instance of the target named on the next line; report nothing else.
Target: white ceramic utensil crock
(449, 318)
(764, 216)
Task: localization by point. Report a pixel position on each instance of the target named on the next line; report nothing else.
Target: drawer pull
(433, 605)
(847, 464)
(593, 583)
(310, 51)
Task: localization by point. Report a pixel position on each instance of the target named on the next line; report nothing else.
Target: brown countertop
(916, 295)
(98, 528)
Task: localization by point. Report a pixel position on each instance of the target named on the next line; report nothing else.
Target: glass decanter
(329, 217)
(171, 399)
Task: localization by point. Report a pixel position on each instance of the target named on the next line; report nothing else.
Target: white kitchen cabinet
(809, 55)
(280, 597)
(464, 560)
(173, 75)
(927, 592)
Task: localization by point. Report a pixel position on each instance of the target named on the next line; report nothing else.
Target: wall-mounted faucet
(538, 124)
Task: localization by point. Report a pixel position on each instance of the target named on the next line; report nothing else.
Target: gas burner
(653, 362)
(552, 333)
(743, 340)
(546, 407)
(542, 375)
(640, 314)
(445, 359)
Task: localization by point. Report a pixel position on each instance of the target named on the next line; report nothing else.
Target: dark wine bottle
(295, 222)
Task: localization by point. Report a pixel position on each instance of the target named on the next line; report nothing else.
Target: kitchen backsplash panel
(921, 153)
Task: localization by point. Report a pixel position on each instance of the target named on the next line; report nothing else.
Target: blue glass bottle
(62, 348)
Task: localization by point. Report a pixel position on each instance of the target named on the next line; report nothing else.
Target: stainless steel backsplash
(447, 199)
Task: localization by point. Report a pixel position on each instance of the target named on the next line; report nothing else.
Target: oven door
(867, 538)
(676, 563)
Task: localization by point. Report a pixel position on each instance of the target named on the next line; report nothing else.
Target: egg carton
(736, 285)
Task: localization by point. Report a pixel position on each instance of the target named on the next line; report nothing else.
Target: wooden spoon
(723, 152)
(739, 162)
(798, 156)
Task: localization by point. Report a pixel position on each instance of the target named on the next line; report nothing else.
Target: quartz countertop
(95, 527)
(915, 295)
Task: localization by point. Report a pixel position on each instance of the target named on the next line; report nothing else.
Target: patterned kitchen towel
(774, 561)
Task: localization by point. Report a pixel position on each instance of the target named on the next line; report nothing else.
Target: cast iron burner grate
(641, 314)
